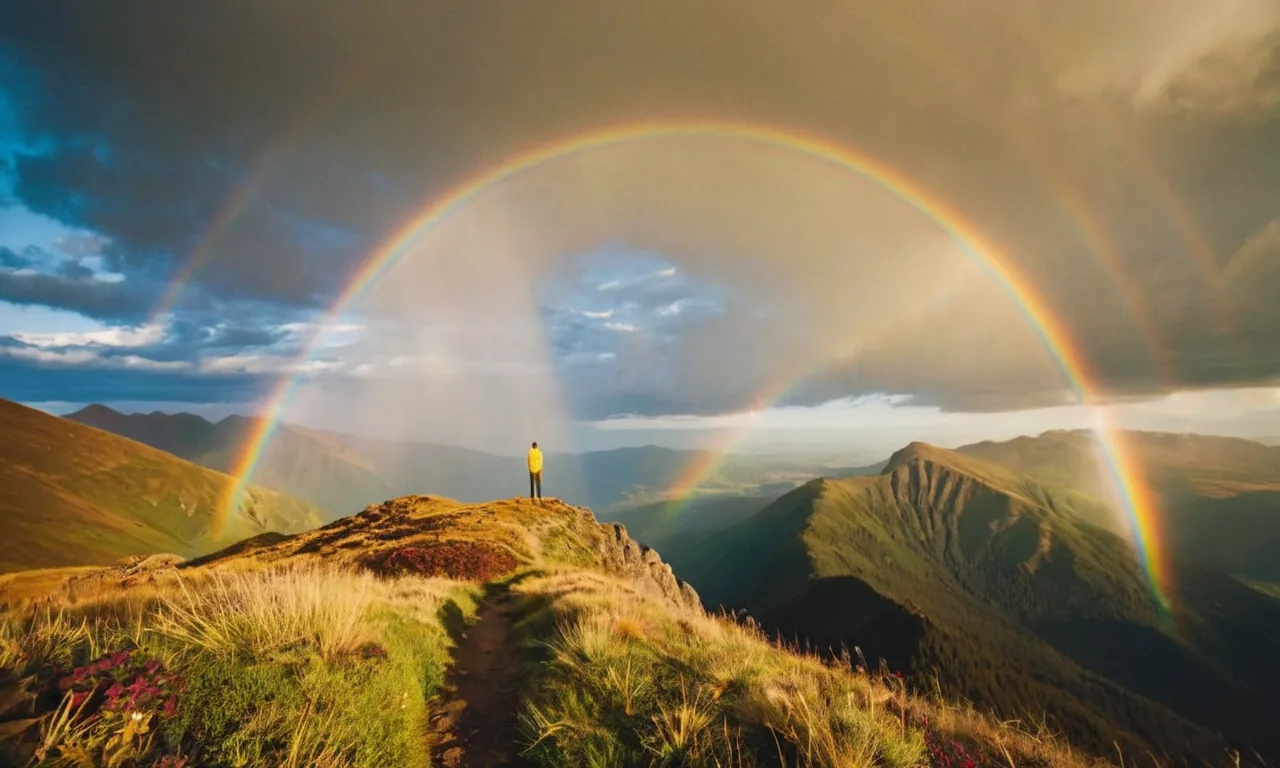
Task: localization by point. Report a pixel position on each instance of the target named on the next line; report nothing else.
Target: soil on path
(474, 723)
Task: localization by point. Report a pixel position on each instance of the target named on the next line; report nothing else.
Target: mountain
(71, 494)
(992, 585)
(1218, 497)
(423, 631)
(309, 465)
(342, 473)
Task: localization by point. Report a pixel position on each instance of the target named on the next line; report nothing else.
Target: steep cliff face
(623, 556)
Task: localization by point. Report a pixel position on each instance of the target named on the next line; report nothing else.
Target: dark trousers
(535, 483)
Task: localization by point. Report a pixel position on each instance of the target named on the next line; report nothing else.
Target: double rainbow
(1137, 503)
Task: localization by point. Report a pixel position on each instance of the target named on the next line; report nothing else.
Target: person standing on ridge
(535, 472)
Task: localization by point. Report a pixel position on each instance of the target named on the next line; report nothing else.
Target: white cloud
(90, 357)
(108, 337)
(674, 308)
(668, 272)
(605, 315)
(608, 285)
(622, 327)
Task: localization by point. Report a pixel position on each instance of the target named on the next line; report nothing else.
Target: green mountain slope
(978, 577)
(73, 495)
(1218, 497)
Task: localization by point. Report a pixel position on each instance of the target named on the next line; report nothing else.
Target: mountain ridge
(976, 576)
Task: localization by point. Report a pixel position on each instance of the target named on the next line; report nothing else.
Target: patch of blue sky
(599, 300)
(26, 318)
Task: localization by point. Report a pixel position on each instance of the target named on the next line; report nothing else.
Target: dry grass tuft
(260, 613)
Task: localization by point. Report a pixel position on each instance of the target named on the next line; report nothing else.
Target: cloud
(80, 292)
(11, 259)
(27, 380)
(1238, 78)
(112, 337)
(1117, 153)
(674, 308)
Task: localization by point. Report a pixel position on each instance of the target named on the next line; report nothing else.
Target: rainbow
(1138, 505)
(267, 162)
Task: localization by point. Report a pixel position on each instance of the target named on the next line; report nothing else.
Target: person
(535, 471)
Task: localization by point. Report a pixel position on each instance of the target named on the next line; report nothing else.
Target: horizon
(848, 455)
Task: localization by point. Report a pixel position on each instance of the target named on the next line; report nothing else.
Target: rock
(625, 557)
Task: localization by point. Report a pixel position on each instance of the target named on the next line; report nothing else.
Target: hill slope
(502, 633)
(968, 572)
(1219, 497)
(72, 495)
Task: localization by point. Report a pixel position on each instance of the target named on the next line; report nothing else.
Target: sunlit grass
(628, 680)
(299, 666)
(261, 613)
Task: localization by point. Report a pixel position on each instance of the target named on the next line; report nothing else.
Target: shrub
(463, 560)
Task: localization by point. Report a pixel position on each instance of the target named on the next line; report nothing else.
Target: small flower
(136, 716)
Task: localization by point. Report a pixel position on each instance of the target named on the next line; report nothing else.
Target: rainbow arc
(1138, 505)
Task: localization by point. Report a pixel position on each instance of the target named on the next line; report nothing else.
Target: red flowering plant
(469, 560)
(124, 682)
(946, 754)
(371, 652)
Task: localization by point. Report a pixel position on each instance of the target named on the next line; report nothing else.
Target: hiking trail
(473, 724)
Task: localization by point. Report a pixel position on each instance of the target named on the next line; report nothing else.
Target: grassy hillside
(73, 495)
(427, 632)
(1219, 497)
(978, 579)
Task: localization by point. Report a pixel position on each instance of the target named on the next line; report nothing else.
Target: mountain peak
(915, 452)
(95, 411)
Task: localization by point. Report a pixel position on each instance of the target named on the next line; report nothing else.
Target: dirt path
(474, 724)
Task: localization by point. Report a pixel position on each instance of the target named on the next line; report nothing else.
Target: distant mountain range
(73, 495)
(998, 587)
(1218, 498)
(342, 473)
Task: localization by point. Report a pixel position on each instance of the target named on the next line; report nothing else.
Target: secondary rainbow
(1139, 508)
(259, 173)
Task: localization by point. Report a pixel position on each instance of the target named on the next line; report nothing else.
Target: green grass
(623, 680)
(291, 667)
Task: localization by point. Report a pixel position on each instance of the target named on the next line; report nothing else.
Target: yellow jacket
(535, 460)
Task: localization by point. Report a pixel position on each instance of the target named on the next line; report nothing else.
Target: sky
(186, 194)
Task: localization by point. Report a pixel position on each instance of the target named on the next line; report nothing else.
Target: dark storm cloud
(28, 381)
(145, 121)
(11, 259)
(99, 299)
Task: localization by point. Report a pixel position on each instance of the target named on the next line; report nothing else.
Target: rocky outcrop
(621, 555)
